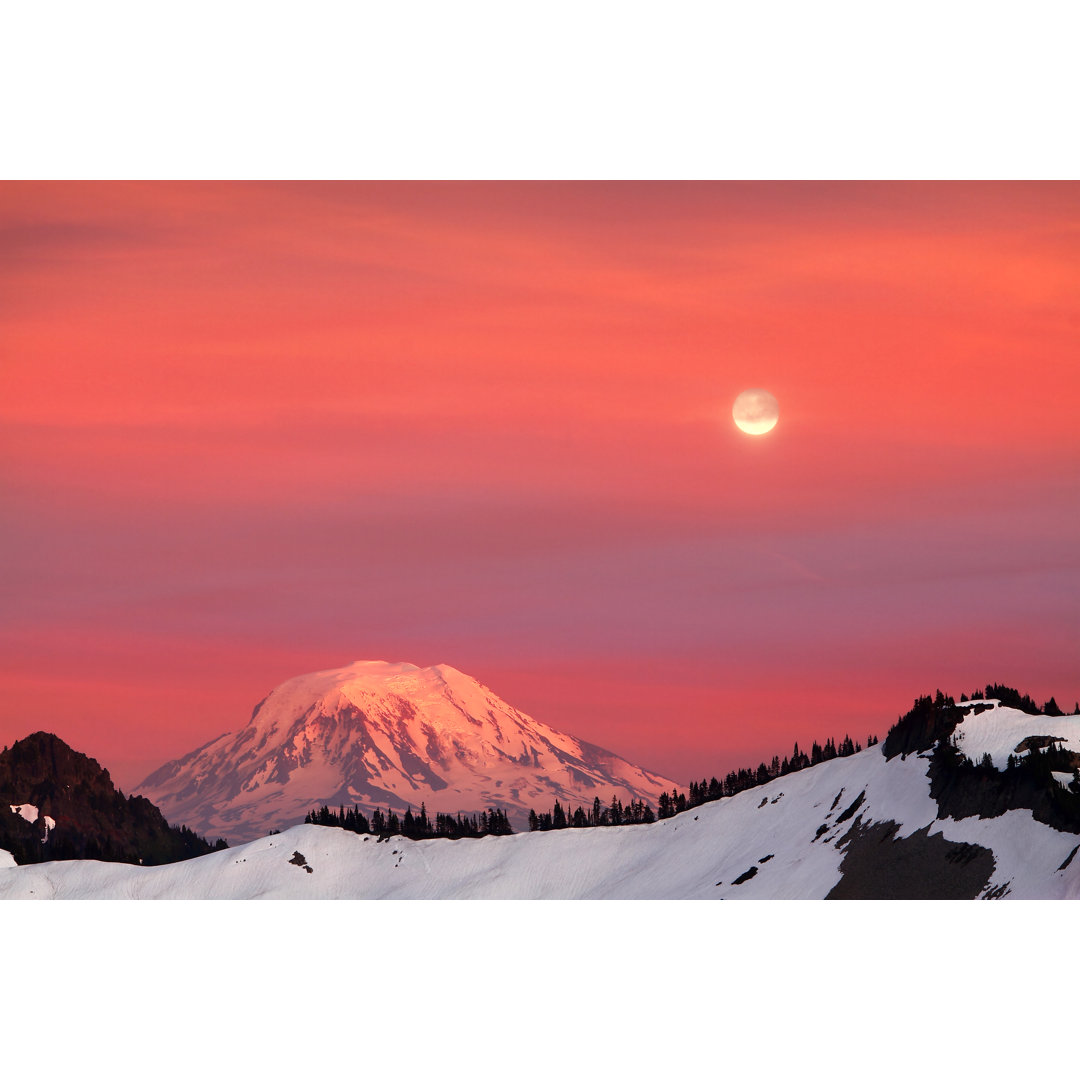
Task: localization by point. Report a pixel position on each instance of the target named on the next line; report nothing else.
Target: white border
(273, 90)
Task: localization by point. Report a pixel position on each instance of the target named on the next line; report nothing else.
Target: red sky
(249, 431)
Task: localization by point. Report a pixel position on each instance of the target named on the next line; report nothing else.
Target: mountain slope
(56, 803)
(859, 827)
(379, 734)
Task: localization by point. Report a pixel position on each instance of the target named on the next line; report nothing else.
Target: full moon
(755, 412)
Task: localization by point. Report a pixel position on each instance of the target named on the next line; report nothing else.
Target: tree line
(741, 779)
(492, 822)
(636, 812)
(1013, 699)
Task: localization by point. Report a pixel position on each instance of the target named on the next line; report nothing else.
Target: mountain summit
(379, 734)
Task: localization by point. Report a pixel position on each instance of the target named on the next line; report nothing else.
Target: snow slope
(383, 734)
(999, 731)
(788, 839)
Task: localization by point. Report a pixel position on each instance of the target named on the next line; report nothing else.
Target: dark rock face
(93, 819)
(1063, 759)
(850, 811)
(878, 866)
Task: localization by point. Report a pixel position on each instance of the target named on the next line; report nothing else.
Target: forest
(420, 826)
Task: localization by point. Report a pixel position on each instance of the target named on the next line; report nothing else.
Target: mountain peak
(57, 803)
(383, 734)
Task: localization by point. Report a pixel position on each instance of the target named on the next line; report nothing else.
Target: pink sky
(248, 431)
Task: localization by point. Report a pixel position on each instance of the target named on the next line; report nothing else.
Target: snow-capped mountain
(861, 827)
(378, 734)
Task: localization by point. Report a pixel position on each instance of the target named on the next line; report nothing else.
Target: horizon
(260, 430)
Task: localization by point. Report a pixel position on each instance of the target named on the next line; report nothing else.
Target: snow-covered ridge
(380, 734)
(855, 826)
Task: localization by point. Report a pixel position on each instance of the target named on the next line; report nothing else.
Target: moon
(755, 412)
